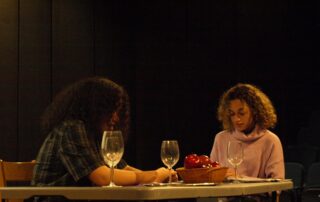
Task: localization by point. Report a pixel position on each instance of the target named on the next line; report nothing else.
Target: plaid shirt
(67, 157)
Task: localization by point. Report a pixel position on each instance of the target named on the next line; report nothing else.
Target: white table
(145, 193)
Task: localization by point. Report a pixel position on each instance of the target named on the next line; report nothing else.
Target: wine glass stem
(170, 177)
(111, 175)
(235, 172)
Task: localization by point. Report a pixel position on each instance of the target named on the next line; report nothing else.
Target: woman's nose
(114, 119)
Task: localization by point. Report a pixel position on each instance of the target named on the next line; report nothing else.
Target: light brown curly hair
(263, 112)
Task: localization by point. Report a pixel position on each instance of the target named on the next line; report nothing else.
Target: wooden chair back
(15, 172)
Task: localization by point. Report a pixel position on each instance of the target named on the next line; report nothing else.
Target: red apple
(192, 161)
(204, 161)
(215, 164)
(201, 161)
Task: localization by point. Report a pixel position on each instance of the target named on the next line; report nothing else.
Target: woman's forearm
(126, 177)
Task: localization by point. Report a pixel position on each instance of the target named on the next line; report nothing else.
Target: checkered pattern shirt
(67, 157)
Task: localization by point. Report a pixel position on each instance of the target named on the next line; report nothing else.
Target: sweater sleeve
(218, 151)
(213, 154)
(275, 165)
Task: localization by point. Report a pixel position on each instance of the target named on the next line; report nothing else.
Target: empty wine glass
(169, 154)
(235, 155)
(112, 149)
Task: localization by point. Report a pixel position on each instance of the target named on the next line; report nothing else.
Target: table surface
(146, 192)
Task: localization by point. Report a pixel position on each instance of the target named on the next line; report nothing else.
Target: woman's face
(240, 115)
(108, 125)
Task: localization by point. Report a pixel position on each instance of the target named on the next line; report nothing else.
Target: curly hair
(90, 100)
(263, 112)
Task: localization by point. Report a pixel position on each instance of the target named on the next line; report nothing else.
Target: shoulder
(222, 135)
(71, 128)
(271, 137)
(72, 125)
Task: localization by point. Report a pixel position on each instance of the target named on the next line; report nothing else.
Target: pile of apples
(201, 161)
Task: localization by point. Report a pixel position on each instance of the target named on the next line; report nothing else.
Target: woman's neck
(249, 129)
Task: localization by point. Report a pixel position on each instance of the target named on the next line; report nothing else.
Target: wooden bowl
(199, 175)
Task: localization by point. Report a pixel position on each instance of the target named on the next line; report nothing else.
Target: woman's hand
(157, 176)
(144, 177)
(163, 175)
(174, 176)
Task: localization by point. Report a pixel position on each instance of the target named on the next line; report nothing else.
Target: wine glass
(112, 149)
(235, 155)
(169, 154)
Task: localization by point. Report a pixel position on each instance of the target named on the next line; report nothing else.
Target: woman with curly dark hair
(74, 122)
(246, 114)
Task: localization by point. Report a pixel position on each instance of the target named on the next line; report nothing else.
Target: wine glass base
(236, 181)
(111, 186)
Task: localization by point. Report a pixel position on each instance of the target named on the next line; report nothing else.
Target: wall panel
(72, 41)
(160, 53)
(104, 38)
(9, 29)
(114, 55)
(34, 75)
(114, 40)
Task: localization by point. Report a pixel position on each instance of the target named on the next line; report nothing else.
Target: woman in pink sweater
(246, 113)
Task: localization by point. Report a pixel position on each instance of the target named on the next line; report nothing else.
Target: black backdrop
(175, 58)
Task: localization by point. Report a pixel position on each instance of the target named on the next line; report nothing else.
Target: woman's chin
(242, 130)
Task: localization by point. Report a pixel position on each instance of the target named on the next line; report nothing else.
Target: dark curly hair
(263, 112)
(90, 100)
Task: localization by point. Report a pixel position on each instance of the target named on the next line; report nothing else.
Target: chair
(313, 176)
(312, 185)
(304, 154)
(295, 171)
(11, 172)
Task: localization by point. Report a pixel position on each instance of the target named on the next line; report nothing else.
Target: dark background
(175, 58)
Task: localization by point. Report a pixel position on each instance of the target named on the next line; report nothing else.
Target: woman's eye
(231, 114)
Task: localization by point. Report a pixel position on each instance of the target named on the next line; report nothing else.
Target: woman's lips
(239, 124)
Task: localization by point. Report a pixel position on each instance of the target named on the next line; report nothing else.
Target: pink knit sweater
(263, 154)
